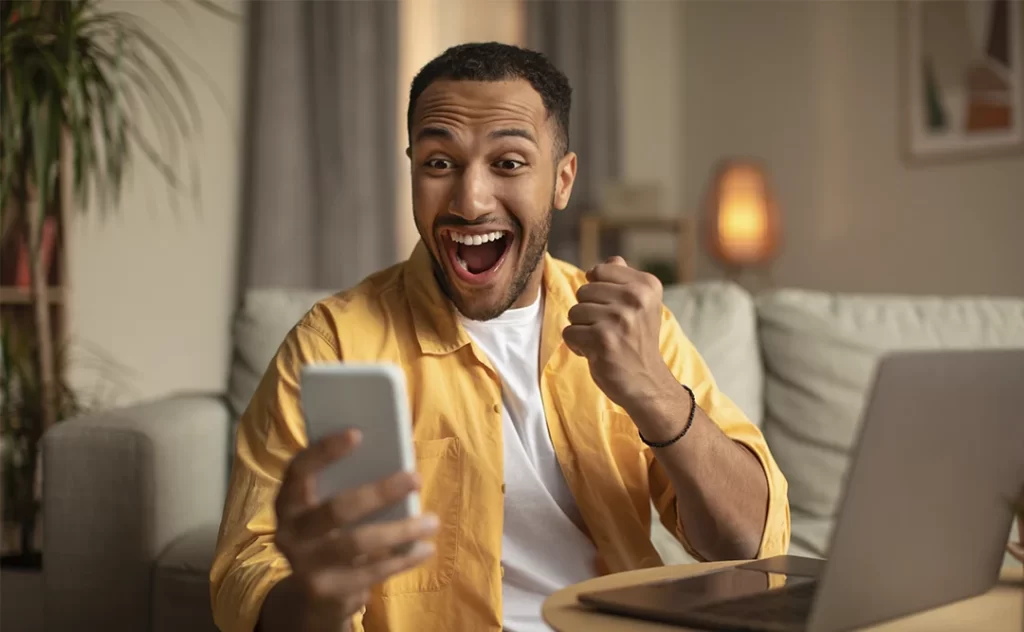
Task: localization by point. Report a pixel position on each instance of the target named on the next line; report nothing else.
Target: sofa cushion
(820, 353)
(265, 318)
(719, 318)
(181, 583)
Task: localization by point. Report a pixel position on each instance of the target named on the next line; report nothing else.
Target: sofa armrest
(118, 488)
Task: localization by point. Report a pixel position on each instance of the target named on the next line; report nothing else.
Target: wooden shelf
(22, 296)
(591, 226)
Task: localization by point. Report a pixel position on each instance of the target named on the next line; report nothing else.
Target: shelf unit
(17, 315)
(593, 225)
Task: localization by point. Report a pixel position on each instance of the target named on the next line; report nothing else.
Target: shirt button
(503, 488)
(497, 408)
(503, 570)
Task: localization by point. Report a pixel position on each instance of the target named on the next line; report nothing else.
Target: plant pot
(20, 501)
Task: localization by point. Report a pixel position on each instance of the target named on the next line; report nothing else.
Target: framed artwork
(963, 78)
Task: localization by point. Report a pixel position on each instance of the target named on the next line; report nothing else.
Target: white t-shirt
(543, 546)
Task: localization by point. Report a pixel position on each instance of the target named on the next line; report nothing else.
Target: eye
(509, 165)
(439, 164)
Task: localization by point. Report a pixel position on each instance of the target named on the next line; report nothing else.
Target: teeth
(465, 266)
(475, 240)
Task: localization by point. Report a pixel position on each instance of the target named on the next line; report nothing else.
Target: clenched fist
(616, 326)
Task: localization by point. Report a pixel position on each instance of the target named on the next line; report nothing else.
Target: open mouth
(476, 256)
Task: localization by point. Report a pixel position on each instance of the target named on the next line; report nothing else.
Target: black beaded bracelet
(686, 428)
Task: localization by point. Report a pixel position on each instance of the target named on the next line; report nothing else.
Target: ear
(565, 175)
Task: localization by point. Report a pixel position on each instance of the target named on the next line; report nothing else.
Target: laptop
(924, 518)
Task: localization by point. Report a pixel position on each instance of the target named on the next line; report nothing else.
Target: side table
(1001, 609)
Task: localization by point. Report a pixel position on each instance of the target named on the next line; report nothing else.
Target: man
(550, 406)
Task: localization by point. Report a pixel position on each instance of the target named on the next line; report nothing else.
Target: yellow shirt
(400, 316)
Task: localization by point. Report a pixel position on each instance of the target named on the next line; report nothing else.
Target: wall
(651, 75)
(152, 289)
(812, 88)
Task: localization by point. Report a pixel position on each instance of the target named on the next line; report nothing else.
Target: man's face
(484, 184)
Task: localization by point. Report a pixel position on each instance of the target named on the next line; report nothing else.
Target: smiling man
(550, 406)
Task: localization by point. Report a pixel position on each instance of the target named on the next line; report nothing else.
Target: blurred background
(854, 147)
(303, 104)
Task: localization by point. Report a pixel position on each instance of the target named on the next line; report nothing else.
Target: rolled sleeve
(247, 564)
(689, 368)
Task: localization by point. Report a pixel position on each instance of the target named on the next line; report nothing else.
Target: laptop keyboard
(788, 606)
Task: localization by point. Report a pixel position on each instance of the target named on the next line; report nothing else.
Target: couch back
(261, 324)
(820, 352)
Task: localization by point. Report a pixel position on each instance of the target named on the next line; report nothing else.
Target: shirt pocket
(439, 464)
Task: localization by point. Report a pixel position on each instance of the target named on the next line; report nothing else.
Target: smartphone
(372, 398)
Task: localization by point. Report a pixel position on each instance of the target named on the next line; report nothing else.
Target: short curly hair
(493, 61)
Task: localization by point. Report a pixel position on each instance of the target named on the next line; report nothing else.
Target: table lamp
(741, 217)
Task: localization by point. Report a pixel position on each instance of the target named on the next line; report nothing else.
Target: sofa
(133, 497)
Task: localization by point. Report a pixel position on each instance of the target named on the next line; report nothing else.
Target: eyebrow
(513, 132)
(445, 134)
(435, 132)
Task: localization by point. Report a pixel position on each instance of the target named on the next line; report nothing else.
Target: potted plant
(78, 81)
(20, 401)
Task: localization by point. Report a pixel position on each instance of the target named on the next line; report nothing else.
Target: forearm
(285, 609)
(721, 488)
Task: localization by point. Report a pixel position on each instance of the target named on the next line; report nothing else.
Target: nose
(474, 194)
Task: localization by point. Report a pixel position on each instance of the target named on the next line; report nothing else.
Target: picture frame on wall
(963, 78)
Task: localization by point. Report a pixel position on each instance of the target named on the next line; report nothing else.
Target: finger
(578, 338)
(614, 273)
(1016, 550)
(374, 573)
(380, 541)
(351, 506)
(617, 261)
(297, 491)
(370, 543)
(346, 580)
(591, 313)
(602, 292)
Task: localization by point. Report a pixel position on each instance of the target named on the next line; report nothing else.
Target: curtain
(318, 193)
(579, 38)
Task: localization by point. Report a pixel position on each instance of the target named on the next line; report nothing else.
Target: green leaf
(98, 74)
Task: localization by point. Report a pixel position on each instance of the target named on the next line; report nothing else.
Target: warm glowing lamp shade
(741, 216)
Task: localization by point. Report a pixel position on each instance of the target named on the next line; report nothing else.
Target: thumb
(617, 261)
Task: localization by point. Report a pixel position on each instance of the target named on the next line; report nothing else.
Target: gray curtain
(318, 198)
(579, 38)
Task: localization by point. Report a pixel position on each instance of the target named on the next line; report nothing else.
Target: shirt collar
(436, 320)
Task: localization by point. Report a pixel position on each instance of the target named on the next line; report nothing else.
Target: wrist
(661, 410)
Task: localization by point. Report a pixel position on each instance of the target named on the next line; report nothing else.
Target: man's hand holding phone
(334, 562)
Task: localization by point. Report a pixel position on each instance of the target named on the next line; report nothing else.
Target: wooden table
(1002, 608)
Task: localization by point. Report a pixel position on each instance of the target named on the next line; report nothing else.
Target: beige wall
(153, 290)
(651, 77)
(812, 88)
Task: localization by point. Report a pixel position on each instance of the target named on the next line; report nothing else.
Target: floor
(21, 601)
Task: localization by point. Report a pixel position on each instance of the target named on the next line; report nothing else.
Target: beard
(527, 264)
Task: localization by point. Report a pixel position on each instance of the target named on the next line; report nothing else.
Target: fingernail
(430, 521)
(423, 548)
(355, 435)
